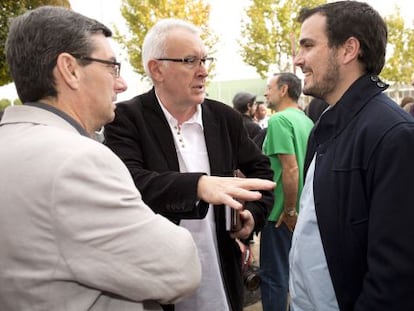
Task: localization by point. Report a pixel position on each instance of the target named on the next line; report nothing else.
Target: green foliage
(4, 103)
(270, 32)
(399, 66)
(141, 15)
(10, 9)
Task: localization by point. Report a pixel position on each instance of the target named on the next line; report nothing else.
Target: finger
(243, 234)
(279, 222)
(245, 195)
(255, 183)
(231, 202)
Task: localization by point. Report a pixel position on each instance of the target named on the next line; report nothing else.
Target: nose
(120, 85)
(202, 70)
(298, 60)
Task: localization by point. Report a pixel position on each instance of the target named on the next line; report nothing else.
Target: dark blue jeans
(274, 266)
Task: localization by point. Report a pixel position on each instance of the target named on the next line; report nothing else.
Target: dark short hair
(293, 83)
(242, 100)
(35, 41)
(345, 19)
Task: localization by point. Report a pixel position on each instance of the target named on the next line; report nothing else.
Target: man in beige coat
(74, 231)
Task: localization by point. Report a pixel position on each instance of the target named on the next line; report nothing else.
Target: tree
(10, 9)
(141, 15)
(269, 33)
(4, 102)
(399, 66)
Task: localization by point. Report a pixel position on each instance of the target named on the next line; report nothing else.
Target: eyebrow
(306, 40)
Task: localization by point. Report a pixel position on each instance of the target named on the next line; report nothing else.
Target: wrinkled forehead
(186, 42)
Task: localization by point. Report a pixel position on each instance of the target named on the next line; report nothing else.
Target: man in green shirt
(285, 145)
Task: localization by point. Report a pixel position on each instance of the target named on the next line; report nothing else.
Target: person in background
(352, 248)
(245, 103)
(74, 231)
(285, 145)
(315, 108)
(411, 111)
(261, 116)
(407, 103)
(182, 150)
(406, 100)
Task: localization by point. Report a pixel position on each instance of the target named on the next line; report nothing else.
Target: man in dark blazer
(182, 150)
(352, 247)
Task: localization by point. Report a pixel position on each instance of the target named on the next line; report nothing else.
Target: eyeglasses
(116, 66)
(191, 62)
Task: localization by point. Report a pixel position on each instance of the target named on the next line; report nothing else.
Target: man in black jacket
(245, 103)
(352, 247)
(182, 149)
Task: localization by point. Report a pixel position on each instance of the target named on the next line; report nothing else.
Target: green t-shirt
(287, 133)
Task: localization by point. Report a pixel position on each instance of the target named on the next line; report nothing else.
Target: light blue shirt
(310, 283)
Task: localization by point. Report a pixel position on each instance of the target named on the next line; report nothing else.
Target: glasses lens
(207, 62)
(117, 70)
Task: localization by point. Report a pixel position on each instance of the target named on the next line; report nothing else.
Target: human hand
(229, 190)
(247, 228)
(290, 221)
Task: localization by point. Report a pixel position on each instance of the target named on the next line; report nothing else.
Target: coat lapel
(161, 129)
(214, 141)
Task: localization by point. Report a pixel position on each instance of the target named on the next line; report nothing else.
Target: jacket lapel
(214, 140)
(161, 130)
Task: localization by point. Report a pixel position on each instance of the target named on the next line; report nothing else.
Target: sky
(225, 20)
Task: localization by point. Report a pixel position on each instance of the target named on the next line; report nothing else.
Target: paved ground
(255, 307)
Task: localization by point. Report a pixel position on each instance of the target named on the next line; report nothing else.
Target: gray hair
(37, 38)
(292, 81)
(154, 45)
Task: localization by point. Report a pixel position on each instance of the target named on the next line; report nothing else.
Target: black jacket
(253, 129)
(362, 188)
(140, 135)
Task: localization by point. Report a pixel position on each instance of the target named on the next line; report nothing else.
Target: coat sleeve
(387, 284)
(254, 164)
(144, 146)
(111, 240)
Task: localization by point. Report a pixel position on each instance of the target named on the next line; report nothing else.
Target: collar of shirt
(196, 118)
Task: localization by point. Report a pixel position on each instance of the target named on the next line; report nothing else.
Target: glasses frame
(191, 61)
(116, 65)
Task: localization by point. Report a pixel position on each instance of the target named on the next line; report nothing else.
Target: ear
(156, 70)
(283, 89)
(351, 50)
(68, 69)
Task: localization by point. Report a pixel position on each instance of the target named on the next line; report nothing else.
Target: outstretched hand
(228, 190)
